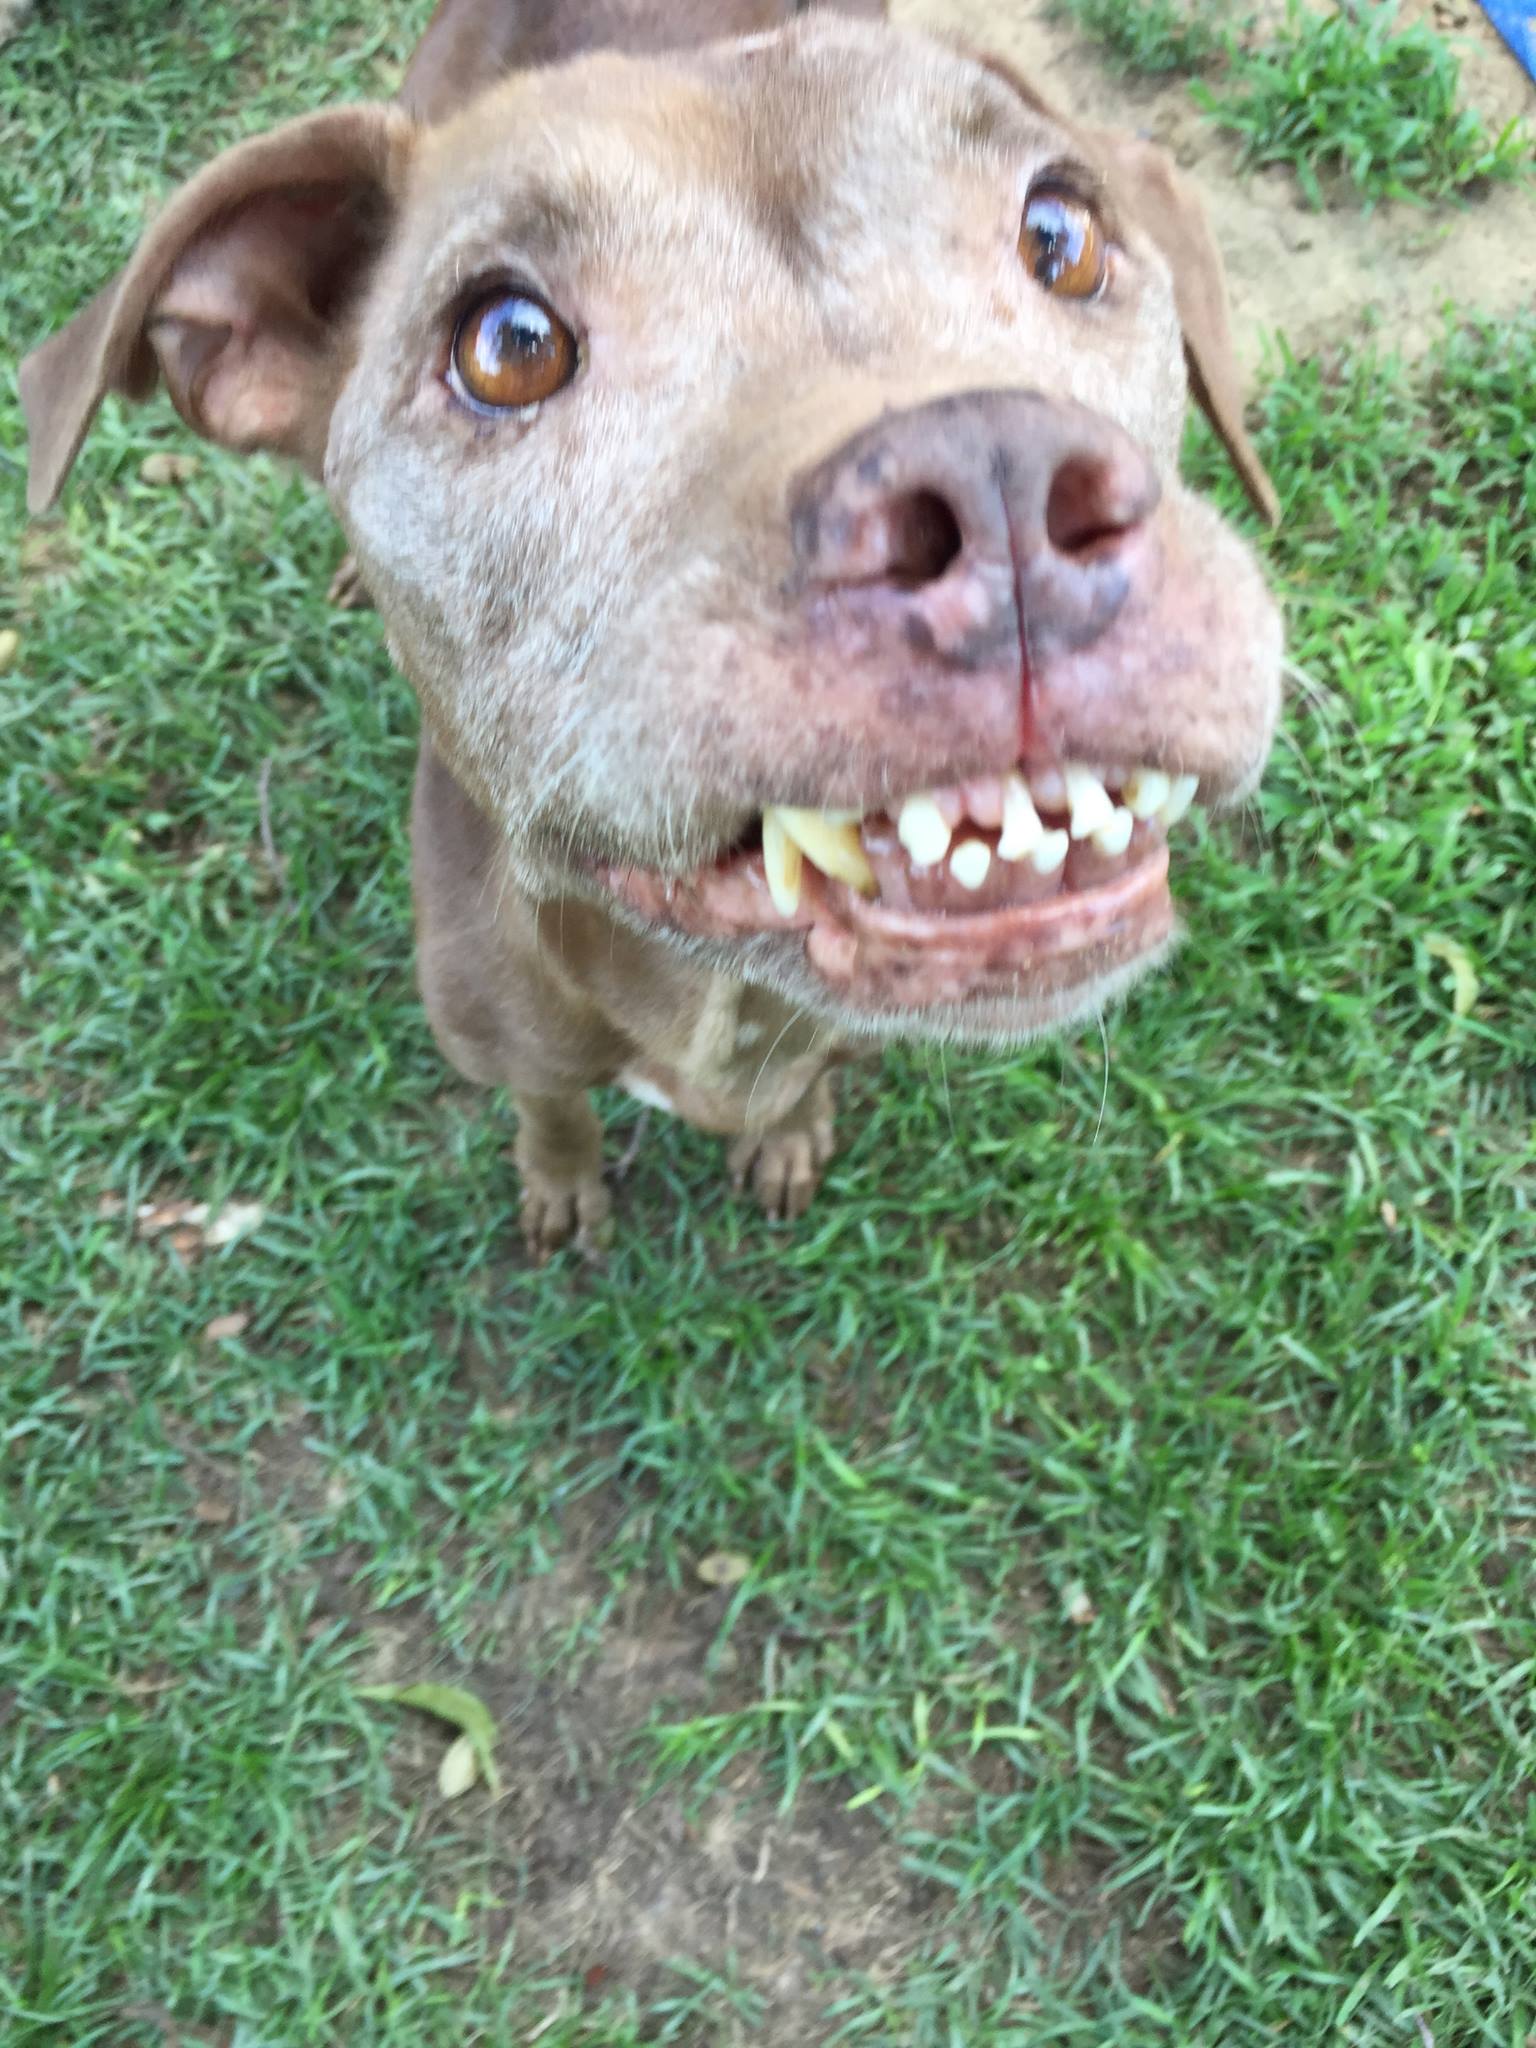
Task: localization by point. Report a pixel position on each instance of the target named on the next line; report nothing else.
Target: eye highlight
(1063, 244)
(510, 351)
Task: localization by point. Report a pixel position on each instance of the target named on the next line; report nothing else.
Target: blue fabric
(1515, 21)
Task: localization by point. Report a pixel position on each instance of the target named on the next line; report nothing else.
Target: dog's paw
(783, 1166)
(348, 592)
(553, 1215)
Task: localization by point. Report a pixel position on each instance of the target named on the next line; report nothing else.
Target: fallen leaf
(187, 1241)
(459, 1768)
(723, 1568)
(235, 1219)
(1389, 1214)
(206, 1509)
(151, 1217)
(1463, 974)
(453, 1704)
(1078, 1608)
(10, 647)
(110, 1205)
(231, 1325)
(169, 469)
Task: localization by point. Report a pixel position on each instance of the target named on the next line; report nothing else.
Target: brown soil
(1315, 277)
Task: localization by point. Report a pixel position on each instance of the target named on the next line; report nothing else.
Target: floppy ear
(1165, 205)
(238, 295)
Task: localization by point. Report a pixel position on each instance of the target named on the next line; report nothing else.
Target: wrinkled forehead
(812, 140)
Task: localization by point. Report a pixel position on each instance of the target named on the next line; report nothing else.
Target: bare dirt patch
(1315, 277)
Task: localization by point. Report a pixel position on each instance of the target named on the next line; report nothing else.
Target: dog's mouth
(1040, 886)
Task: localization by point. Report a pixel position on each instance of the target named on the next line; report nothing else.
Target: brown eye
(510, 351)
(1062, 243)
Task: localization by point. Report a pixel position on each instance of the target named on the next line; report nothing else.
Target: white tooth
(1146, 792)
(1180, 797)
(1021, 821)
(1051, 853)
(836, 848)
(922, 831)
(781, 863)
(969, 863)
(1115, 837)
(1048, 787)
(1089, 799)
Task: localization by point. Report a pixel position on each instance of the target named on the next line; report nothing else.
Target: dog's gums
(1047, 876)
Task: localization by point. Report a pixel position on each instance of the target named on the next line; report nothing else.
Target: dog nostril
(1090, 507)
(922, 537)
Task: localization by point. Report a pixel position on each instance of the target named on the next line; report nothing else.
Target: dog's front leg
(559, 1153)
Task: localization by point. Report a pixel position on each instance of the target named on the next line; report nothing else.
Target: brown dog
(764, 455)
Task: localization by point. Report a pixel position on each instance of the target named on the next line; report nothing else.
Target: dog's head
(765, 459)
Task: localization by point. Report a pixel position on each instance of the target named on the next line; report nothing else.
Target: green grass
(1151, 37)
(1138, 1511)
(1349, 100)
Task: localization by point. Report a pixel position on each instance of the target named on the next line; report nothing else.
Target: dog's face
(765, 462)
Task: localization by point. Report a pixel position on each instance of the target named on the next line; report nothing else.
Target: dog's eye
(510, 351)
(1062, 243)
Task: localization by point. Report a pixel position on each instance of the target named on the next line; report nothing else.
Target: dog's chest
(736, 1060)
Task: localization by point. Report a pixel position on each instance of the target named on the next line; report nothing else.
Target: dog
(760, 436)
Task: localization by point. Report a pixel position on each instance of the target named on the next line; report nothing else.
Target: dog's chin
(1002, 972)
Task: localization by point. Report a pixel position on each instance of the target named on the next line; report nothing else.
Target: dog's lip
(876, 958)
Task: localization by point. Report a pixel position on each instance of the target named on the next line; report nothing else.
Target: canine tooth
(781, 864)
(1051, 853)
(1145, 792)
(1091, 808)
(1021, 821)
(969, 863)
(836, 848)
(922, 830)
(1179, 799)
(1115, 837)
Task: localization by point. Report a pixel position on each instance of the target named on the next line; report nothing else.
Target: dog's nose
(1048, 502)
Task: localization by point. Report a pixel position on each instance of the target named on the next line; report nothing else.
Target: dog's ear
(238, 295)
(1166, 206)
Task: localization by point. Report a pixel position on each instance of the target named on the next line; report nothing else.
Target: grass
(1150, 37)
(1346, 100)
(1137, 1512)
(1349, 97)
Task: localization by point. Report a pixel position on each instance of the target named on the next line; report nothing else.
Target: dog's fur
(779, 251)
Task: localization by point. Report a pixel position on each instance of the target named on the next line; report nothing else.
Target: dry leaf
(1079, 1609)
(723, 1568)
(169, 469)
(110, 1205)
(231, 1325)
(459, 1768)
(151, 1217)
(453, 1704)
(206, 1509)
(10, 647)
(186, 1242)
(1389, 1214)
(235, 1219)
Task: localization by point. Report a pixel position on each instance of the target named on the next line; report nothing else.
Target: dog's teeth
(782, 861)
(1048, 787)
(984, 800)
(1091, 808)
(1051, 853)
(832, 842)
(922, 830)
(1115, 837)
(1178, 800)
(1022, 828)
(1146, 791)
(969, 863)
